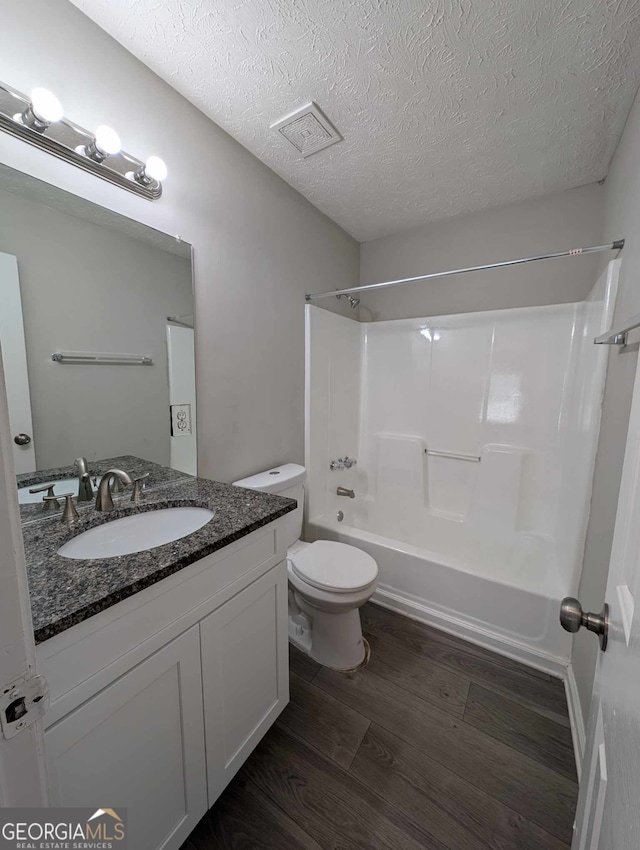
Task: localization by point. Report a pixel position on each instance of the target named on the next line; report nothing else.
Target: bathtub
(500, 591)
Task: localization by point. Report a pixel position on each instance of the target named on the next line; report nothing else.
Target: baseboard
(576, 718)
(473, 632)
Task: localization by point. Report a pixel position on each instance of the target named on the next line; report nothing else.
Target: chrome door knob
(22, 439)
(572, 618)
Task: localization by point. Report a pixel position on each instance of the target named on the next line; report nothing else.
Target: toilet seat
(336, 567)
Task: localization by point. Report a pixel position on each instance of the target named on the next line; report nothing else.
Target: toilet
(328, 581)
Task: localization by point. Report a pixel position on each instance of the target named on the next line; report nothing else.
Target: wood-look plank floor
(436, 744)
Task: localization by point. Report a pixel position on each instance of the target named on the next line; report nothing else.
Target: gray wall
(89, 288)
(258, 244)
(622, 221)
(552, 223)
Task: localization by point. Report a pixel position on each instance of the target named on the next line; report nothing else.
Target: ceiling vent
(308, 129)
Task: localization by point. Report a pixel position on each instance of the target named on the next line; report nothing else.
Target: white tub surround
(475, 438)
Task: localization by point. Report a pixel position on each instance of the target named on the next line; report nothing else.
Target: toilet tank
(286, 480)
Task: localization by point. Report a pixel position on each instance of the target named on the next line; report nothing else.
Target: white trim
(472, 632)
(576, 718)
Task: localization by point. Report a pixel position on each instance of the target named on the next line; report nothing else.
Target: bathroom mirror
(96, 330)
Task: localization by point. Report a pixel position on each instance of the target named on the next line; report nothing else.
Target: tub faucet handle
(342, 463)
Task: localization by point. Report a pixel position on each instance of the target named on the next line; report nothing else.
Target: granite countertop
(65, 592)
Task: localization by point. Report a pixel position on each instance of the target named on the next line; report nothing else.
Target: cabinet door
(245, 673)
(139, 745)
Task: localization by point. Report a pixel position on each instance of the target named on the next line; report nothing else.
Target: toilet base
(333, 640)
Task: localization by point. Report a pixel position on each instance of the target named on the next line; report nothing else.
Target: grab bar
(618, 336)
(88, 357)
(455, 455)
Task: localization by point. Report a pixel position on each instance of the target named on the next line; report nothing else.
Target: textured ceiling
(446, 106)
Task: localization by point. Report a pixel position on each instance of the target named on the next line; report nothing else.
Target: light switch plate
(180, 420)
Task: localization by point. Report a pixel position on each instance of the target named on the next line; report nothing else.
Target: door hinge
(22, 702)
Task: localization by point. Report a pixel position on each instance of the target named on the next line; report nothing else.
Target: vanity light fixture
(39, 120)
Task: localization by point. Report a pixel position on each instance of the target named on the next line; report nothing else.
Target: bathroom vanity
(165, 667)
(165, 662)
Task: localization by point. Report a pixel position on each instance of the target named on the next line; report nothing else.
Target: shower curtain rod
(574, 252)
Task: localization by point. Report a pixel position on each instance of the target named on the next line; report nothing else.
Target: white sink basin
(68, 485)
(136, 533)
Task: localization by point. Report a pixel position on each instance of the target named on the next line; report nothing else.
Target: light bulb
(46, 106)
(44, 109)
(107, 141)
(155, 169)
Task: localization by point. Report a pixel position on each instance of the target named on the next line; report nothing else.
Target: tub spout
(344, 491)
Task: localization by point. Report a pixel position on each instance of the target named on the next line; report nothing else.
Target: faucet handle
(48, 500)
(138, 488)
(69, 512)
(42, 488)
(343, 463)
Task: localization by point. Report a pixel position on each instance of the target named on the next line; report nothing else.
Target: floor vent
(308, 129)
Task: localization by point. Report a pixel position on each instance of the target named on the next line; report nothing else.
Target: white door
(182, 398)
(139, 744)
(609, 804)
(22, 775)
(245, 674)
(14, 355)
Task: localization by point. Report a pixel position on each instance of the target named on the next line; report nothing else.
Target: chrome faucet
(85, 490)
(104, 499)
(344, 491)
(343, 463)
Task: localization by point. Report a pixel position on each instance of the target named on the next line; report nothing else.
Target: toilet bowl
(328, 581)
(328, 584)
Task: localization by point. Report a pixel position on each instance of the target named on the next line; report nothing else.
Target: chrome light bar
(68, 141)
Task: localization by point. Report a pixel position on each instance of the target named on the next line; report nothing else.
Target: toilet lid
(334, 566)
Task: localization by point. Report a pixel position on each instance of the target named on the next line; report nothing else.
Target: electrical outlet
(180, 420)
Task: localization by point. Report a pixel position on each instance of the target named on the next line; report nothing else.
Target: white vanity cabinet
(157, 701)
